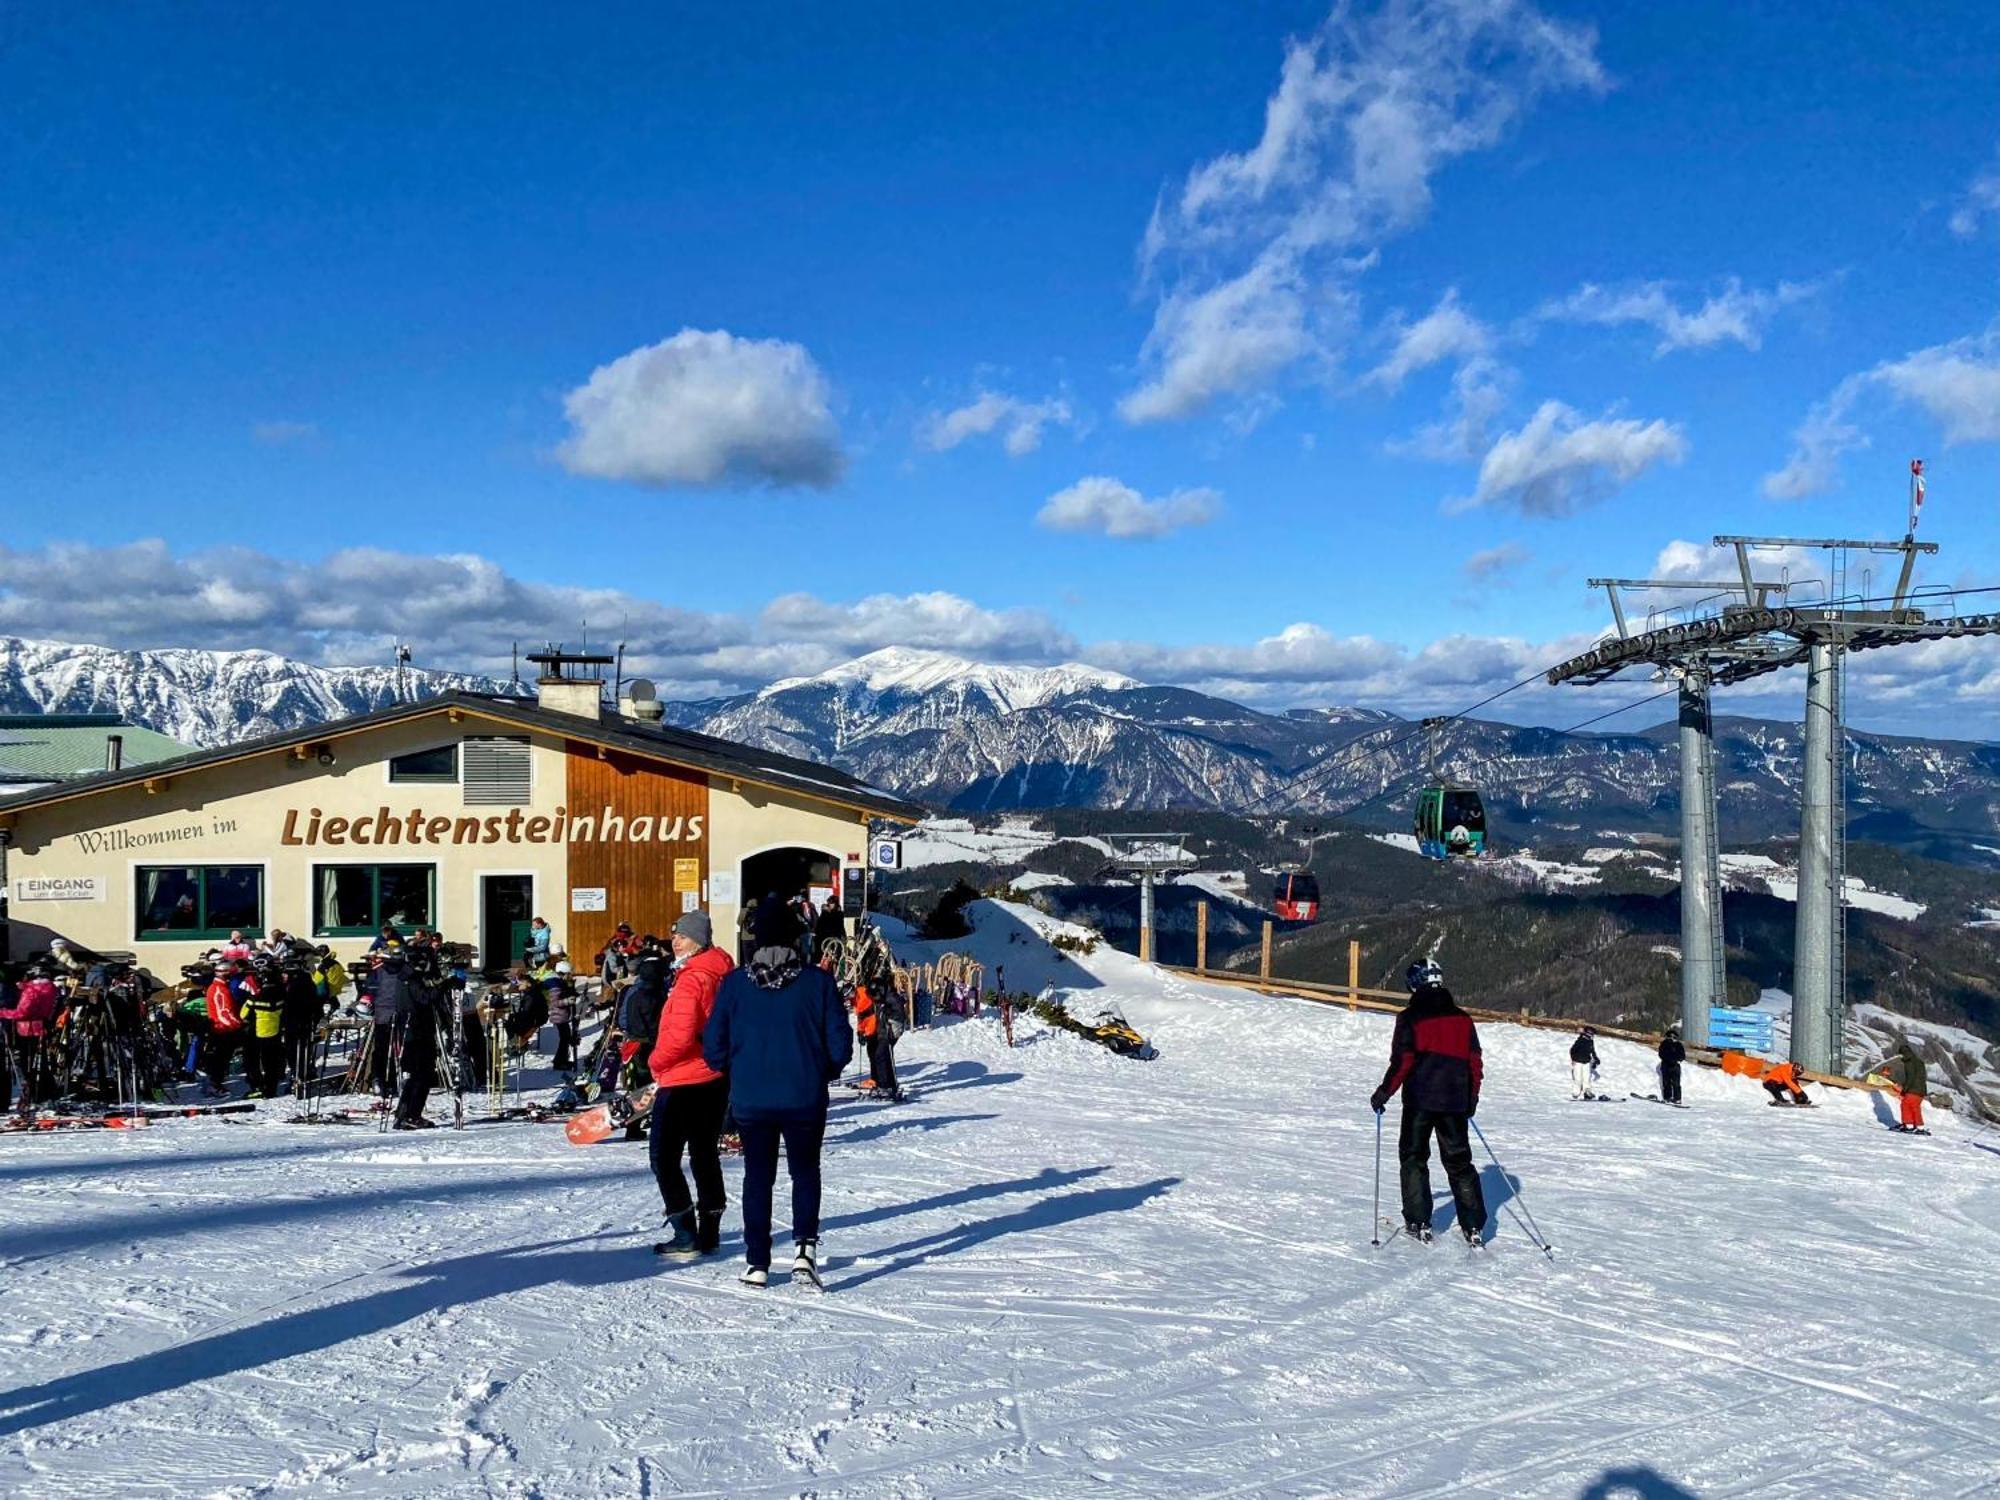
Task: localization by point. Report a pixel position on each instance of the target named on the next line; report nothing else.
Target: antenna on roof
(514, 681)
(402, 673)
(618, 675)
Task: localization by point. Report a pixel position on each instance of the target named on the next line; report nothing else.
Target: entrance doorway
(783, 873)
(506, 903)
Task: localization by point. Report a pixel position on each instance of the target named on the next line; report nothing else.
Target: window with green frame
(355, 900)
(197, 903)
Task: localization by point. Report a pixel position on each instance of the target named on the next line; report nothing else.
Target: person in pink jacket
(31, 1015)
(691, 1097)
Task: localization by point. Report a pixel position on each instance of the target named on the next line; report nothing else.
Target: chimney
(114, 752)
(570, 683)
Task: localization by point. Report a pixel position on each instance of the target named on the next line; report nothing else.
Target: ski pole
(1530, 1228)
(1375, 1225)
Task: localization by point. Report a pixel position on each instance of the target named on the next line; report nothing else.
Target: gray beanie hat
(695, 926)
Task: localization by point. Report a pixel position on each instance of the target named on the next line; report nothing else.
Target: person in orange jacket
(225, 1024)
(690, 1097)
(1781, 1082)
(878, 1036)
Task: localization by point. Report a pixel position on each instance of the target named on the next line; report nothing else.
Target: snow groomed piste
(1055, 1271)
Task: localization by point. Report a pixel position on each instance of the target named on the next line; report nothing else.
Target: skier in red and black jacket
(1434, 1059)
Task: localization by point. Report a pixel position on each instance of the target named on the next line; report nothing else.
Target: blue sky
(1303, 357)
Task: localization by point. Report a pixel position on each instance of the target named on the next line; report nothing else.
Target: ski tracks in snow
(1061, 1273)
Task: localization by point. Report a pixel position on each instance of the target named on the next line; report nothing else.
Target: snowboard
(589, 1126)
(1656, 1099)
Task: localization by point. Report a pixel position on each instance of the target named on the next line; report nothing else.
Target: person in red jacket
(691, 1097)
(32, 1013)
(225, 1024)
(1434, 1059)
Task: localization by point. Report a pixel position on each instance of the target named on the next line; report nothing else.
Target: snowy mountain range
(976, 736)
(202, 698)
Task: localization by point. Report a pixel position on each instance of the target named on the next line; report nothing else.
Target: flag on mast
(1916, 493)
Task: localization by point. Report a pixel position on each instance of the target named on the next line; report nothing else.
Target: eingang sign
(416, 827)
(60, 888)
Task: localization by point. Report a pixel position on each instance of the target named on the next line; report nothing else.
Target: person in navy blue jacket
(1434, 1060)
(780, 1034)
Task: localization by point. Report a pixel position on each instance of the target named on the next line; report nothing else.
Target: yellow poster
(687, 875)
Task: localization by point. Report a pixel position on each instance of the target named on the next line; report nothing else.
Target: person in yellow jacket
(263, 1010)
(329, 977)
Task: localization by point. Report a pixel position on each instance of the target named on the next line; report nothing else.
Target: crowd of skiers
(101, 1028)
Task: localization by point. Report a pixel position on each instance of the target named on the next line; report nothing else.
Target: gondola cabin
(1296, 896)
(1451, 823)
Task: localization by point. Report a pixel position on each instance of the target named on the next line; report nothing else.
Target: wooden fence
(1355, 997)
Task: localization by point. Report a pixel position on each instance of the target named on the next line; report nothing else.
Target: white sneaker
(806, 1262)
(756, 1276)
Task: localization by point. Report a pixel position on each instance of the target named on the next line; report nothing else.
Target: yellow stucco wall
(753, 820)
(236, 814)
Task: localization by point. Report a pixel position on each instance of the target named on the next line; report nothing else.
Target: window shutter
(495, 773)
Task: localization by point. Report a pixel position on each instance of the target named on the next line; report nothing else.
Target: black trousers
(565, 1059)
(882, 1058)
(473, 1045)
(1670, 1082)
(802, 1140)
(688, 1118)
(418, 1064)
(218, 1049)
(1413, 1148)
(263, 1062)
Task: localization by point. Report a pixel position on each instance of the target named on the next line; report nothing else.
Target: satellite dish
(641, 690)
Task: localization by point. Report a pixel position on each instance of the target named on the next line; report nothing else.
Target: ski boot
(684, 1241)
(1473, 1240)
(708, 1231)
(756, 1276)
(1419, 1232)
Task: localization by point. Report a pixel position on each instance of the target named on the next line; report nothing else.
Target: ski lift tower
(1145, 858)
(1751, 634)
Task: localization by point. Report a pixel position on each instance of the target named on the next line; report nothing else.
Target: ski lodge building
(465, 813)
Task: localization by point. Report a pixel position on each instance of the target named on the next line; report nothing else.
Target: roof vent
(114, 752)
(642, 702)
(570, 682)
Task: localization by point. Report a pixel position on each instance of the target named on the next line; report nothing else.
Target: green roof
(55, 748)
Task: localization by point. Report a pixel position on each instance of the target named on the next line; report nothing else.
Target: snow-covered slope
(1054, 1273)
(201, 698)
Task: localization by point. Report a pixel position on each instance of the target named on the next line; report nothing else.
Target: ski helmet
(1423, 975)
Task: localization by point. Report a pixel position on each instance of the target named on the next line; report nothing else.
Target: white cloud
(1107, 507)
(1229, 337)
(1496, 562)
(1817, 444)
(1258, 249)
(1736, 314)
(1019, 422)
(936, 619)
(1981, 202)
(1557, 463)
(1446, 332)
(705, 409)
(1957, 384)
(282, 434)
(464, 612)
